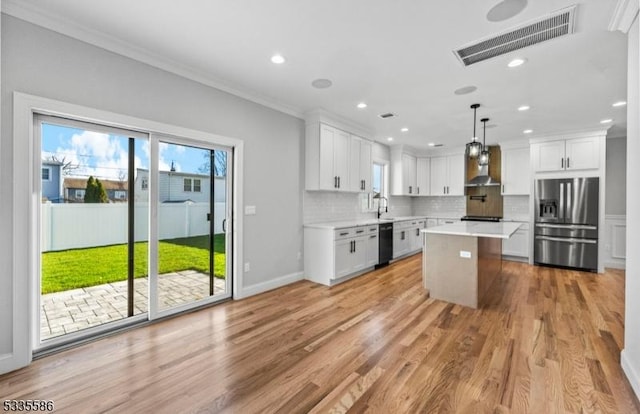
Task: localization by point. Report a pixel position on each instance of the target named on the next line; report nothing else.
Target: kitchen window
(379, 187)
(187, 184)
(196, 185)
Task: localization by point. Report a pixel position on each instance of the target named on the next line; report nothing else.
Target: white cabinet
(423, 167)
(447, 175)
(360, 165)
(415, 235)
(330, 255)
(518, 244)
(409, 174)
(516, 173)
(326, 158)
(432, 222)
(566, 154)
(401, 242)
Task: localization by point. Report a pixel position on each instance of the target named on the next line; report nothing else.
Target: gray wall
(616, 197)
(44, 63)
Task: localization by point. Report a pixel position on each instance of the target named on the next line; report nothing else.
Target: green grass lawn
(71, 269)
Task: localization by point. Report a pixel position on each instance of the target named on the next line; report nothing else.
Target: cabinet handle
(568, 165)
(503, 188)
(402, 235)
(364, 184)
(335, 181)
(562, 163)
(338, 181)
(409, 189)
(373, 236)
(359, 231)
(354, 246)
(417, 232)
(444, 190)
(417, 190)
(344, 234)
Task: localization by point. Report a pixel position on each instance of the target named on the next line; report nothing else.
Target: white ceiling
(395, 55)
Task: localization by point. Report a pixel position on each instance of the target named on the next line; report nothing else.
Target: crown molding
(624, 15)
(60, 24)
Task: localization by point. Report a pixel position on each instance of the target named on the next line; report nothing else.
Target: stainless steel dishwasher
(385, 244)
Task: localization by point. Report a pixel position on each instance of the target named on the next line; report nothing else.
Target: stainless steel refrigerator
(566, 222)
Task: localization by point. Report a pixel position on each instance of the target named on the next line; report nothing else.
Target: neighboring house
(75, 188)
(178, 187)
(52, 181)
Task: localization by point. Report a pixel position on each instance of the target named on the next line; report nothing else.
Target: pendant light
(474, 147)
(483, 159)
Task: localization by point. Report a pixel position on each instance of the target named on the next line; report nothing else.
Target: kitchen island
(461, 260)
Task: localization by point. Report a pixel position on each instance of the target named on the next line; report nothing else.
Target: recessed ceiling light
(516, 62)
(432, 144)
(321, 83)
(527, 131)
(620, 103)
(278, 59)
(404, 129)
(389, 138)
(606, 121)
(465, 90)
(362, 105)
(524, 108)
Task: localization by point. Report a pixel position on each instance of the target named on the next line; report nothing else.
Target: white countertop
(365, 222)
(501, 230)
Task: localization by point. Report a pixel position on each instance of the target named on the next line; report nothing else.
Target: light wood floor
(548, 342)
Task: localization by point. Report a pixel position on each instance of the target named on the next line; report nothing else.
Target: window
(120, 195)
(80, 194)
(379, 188)
(196, 185)
(46, 174)
(145, 183)
(187, 184)
(378, 184)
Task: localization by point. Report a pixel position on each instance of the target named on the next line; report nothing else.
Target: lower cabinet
(401, 244)
(407, 237)
(330, 255)
(518, 244)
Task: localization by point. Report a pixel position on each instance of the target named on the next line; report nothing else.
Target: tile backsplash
(454, 206)
(321, 206)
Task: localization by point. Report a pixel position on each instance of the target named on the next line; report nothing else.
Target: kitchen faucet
(386, 205)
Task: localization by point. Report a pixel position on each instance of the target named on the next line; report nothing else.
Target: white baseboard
(615, 265)
(630, 372)
(268, 285)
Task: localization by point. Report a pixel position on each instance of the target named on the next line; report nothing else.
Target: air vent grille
(387, 115)
(558, 24)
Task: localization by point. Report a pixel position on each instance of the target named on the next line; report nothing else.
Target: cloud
(97, 154)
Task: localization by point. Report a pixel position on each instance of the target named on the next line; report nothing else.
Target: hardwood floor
(548, 341)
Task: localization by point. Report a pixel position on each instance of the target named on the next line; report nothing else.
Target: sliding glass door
(192, 235)
(93, 226)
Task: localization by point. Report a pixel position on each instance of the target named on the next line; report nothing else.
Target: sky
(106, 155)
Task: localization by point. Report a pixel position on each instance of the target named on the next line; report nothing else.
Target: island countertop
(499, 230)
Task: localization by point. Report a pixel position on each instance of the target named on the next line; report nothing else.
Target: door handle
(566, 240)
(224, 225)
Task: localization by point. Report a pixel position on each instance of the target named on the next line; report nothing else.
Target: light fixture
(516, 62)
(404, 129)
(606, 121)
(389, 138)
(474, 147)
(527, 131)
(483, 159)
(321, 83)
(524, 108)
(619, 103)
(432, 144)
(278, 59)
(362, 105)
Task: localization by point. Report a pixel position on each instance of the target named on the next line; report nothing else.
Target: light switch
(465, 254)
(249, 210)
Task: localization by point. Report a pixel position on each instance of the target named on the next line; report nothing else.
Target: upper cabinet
(360, 165)
(516, 174)
(335, 160)
(423, 179)
(447, 175)
(566, 154)
(409, 177)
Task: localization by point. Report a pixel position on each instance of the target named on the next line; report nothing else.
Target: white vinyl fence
(72, 226)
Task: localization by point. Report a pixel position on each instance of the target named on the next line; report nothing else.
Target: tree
(67, 166)
(95, 192)
(219, 164)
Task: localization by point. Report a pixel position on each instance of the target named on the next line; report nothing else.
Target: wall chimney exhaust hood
(484, 175)
(482, 179)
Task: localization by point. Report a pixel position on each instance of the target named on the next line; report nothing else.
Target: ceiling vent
(387, 115)
(556, 24)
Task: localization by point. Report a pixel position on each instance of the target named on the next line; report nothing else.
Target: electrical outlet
(247, 267)
(465, 254)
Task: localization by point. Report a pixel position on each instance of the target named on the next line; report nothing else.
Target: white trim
(323, 116)
(632, 374)
(269, 285)
(25, 197)
(623, 15)
(32, 14)
(563, 135)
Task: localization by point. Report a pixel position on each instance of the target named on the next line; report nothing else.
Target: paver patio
(73, 310)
